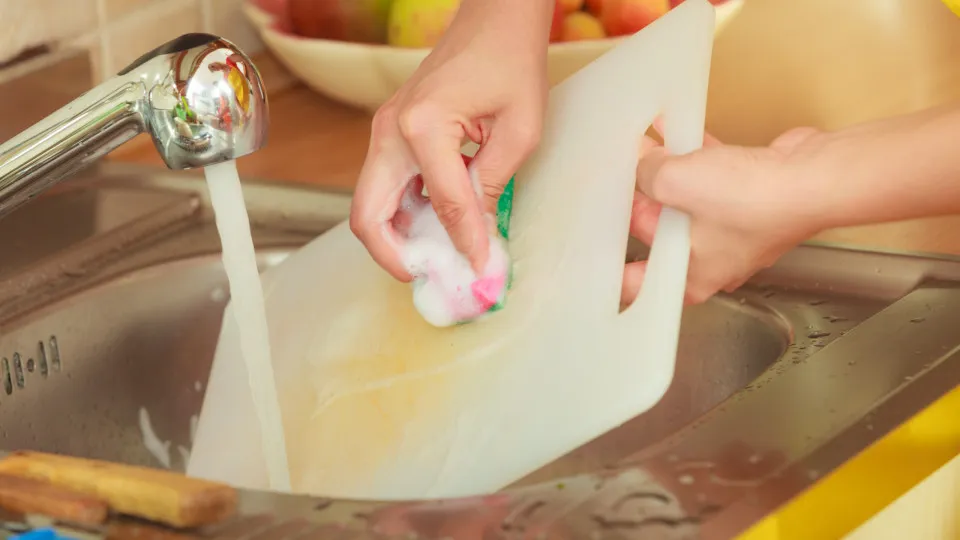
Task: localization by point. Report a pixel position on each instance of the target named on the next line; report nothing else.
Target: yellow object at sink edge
(868, 483)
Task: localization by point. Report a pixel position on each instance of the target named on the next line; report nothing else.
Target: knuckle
(491, 191)
(358, 226)
(665, 185)
(528, 135)
(417, 120)
(384, 120)
(450, 214)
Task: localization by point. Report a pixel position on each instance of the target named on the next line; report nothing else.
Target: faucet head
(202, 101)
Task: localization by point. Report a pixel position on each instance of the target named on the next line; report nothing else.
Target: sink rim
(743, 505)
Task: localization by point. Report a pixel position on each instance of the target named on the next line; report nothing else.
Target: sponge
(446, 289)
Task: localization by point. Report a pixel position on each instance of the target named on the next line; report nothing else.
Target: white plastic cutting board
(379, 404)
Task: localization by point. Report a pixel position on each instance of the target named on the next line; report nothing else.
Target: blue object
(41, 534)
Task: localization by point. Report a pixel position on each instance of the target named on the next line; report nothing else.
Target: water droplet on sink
(685, 479)
(817, 302)
(917, 320)
(834, 318)
(818, 334)
(218, 294)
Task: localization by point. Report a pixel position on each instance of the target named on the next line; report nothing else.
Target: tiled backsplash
(115, 32)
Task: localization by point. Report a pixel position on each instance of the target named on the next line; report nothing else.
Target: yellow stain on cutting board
(370, 380)
(865, 485)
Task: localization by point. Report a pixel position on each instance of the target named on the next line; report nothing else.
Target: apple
(675, 3)
(595, 7)
(556, 24)
(419, 23)
(363, 21)
(624, 17)
(273, 7)
(570, 6)
(579, 26)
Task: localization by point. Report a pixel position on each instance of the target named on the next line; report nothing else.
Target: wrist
(526, 21)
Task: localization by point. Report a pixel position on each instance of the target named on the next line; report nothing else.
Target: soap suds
(446, 290)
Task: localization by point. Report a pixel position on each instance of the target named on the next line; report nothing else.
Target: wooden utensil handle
(166, 497)
(29, 496)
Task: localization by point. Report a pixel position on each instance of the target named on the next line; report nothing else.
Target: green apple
(419, 23)
(344, 20)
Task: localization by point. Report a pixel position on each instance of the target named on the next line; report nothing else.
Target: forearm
(521, 23)
(900, 168)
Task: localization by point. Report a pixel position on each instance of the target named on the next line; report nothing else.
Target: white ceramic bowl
(365, 75)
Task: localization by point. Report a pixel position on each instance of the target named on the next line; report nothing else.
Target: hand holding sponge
(446, 289)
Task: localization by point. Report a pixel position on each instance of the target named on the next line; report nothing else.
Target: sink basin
(111, 306)
(128, 357)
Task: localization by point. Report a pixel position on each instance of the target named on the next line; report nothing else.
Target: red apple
(556, 26)
(624, 17)
(595, 7)
(569, 6)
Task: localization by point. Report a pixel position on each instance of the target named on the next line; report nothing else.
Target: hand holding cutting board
(749, 206)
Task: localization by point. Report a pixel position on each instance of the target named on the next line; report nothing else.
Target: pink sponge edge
(487, 290)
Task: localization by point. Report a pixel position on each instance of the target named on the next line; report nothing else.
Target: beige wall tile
(27, 23)
(134, 35)
(117, 9)
(93, 44)
(225, 18)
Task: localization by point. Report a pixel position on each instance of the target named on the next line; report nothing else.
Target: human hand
(484, 81)
(747, 207)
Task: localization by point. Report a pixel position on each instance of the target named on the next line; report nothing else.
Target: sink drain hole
(43, 359)
(18, 370)
(5, 374)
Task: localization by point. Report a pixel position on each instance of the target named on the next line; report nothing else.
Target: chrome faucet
(198, 96)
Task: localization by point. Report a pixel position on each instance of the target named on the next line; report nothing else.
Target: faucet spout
(198, 96)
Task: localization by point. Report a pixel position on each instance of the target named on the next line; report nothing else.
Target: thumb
(652, 158)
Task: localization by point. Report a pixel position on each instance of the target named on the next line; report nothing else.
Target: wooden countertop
(313, 140)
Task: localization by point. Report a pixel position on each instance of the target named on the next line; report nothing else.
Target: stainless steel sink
(110, 307)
